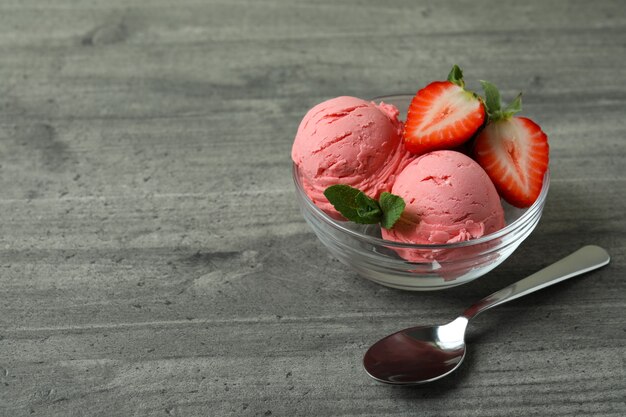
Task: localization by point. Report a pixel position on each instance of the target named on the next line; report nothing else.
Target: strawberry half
(442, 115)
(512, 150)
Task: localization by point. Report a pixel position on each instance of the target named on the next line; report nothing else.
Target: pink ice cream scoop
(449, 198)
(349, 141)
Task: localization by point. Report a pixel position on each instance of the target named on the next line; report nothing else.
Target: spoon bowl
(423, 354)
(418, 354)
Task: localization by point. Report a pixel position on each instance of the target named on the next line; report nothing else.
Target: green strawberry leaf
(353, 204)
(456, 76)
(493, 103)
(392, 207)
(492, 98)
(514, 107)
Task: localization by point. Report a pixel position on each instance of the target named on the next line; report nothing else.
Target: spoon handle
(583, 260)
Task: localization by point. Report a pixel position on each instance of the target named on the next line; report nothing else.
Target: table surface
(153, 259)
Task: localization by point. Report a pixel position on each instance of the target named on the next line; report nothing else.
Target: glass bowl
(438, 266)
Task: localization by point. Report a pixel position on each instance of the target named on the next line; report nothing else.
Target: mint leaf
(353, 204)
(392, 207)
(368, 209)
(456, 76)
(343, 198)
(356, 206)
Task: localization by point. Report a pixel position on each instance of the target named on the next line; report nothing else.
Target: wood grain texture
(153, 261)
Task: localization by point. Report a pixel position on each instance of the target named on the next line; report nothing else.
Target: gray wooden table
(152, 257)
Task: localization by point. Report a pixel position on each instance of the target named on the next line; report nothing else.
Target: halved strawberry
(512, 150)
(442, 115)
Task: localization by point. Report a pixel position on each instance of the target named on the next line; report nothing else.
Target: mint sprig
(355, 205)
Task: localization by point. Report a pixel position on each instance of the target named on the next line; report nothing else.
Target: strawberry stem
(456, 76)
(493, 103)
(515, 106)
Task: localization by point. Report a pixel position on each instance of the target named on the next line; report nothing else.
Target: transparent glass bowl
(440, 266)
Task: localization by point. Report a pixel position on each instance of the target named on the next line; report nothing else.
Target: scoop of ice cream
(349, 141)
(449, 198)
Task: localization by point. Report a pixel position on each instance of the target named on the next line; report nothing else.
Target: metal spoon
(427, 353)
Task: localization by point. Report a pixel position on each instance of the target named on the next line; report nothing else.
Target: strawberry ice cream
(449, 198)
(349, 141)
